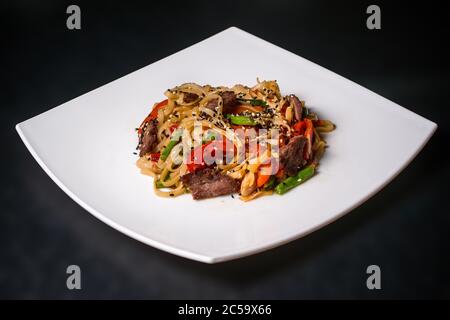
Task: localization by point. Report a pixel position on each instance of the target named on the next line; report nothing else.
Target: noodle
(192, 109)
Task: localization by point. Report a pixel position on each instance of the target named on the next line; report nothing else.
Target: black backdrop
(404, 229)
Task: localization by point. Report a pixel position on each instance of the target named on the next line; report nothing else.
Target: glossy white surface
(374, 140)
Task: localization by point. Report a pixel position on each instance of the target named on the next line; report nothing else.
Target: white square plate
(86, 146)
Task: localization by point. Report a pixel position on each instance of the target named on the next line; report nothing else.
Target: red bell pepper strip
(173, 127)
(299, 127)
(154, 156)
(153, 114)
(309, 133)
(309, 129)
(306, 128)
(262, 178)
(195, 164)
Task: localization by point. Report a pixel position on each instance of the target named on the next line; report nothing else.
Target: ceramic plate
(86, 146)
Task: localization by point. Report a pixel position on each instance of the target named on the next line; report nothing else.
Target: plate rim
(431, 127)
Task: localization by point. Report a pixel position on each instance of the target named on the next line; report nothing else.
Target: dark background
(404, 229)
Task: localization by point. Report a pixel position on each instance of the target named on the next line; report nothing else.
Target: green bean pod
(241, 120)
(176, 135)
(292, 182)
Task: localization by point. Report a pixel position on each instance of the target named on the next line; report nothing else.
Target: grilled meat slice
(149, 138)
(291, 155)
(209, 183)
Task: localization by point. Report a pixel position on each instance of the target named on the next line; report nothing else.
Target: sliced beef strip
(209, 183)
(229, 101)
(189, 97)
(291, 155)
(212, 104)
(149, 138)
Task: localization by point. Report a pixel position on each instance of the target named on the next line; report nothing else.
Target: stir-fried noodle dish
(215, 141)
